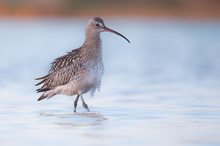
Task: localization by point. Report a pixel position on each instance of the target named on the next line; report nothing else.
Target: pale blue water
(162, 89)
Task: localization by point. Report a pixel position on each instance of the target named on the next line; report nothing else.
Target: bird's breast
(92, 79)
(96, 72)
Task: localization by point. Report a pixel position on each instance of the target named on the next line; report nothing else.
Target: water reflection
(77, 119)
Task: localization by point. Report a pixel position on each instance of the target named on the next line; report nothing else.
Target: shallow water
(162, 89)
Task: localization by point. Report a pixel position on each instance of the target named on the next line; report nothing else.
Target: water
(162, 89)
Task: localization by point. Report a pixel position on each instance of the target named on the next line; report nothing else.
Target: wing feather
(64, 60)
(63, 69)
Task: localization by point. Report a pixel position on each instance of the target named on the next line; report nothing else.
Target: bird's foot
(75, 105)
(86, 107)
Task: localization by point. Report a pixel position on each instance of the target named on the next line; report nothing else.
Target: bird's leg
(84, 104)
(75, 102)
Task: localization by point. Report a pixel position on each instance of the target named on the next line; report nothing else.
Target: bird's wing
(58, 78)
(64, 61)
(63, 69)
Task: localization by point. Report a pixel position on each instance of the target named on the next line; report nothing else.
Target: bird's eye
(97, 24)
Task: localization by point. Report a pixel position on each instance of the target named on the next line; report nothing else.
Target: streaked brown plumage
(80, 70)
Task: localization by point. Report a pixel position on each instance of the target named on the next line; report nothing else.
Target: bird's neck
(92, 39)
(92, 46)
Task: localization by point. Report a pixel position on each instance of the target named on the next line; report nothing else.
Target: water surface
(162, 89)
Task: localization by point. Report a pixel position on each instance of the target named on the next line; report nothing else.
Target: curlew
(79, 71)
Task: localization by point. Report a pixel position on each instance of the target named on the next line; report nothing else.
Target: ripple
(77, 119)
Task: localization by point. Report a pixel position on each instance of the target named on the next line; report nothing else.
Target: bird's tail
(47, 94)
(42, 97)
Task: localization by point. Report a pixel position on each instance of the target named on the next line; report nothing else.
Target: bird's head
(96, 25)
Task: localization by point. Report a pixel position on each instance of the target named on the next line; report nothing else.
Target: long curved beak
(115, 32)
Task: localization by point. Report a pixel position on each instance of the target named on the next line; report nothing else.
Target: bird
(80, 70)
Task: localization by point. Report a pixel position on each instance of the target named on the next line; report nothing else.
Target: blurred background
(161, 89)
(152, 8)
